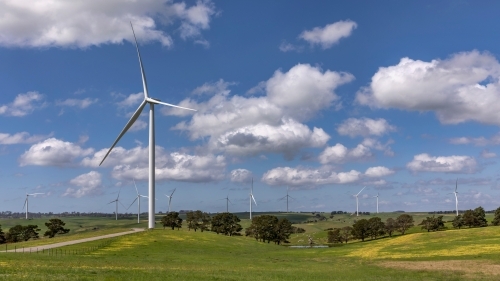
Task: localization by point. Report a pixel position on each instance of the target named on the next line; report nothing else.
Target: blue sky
(325, 98)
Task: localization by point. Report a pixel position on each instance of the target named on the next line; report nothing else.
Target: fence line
(65, 252)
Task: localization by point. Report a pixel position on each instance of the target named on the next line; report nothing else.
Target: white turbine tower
(170, 198)
(287, 196)
(377, 201)
(138, 199)
(151, 102)
(456, 197)
(252, 198)
(116, 201)
(356, 195)
(26, 201)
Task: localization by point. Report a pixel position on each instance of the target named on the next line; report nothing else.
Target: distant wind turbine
(287, 196)
(138, 199)
(116, 201)
(227, 203)
(26, 201)
(170, 198)
(356, 195)
(252, 198)
(151, 102)
(377, 201)
(456, 197)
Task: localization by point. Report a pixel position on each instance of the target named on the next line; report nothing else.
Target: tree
(475, 218)
(334, 236)
(22, 233)
(346, 233)
(390, 226)
(480, 216)
(404, 222)
(376, 227)
(172, 220)
(496, 219)
(205, 221)
(360, 229)
(192, 220)
(2, 236)
(226, 223)
(282, 231)
(458, 222)
(433, 223)
(55, 226)
(263, 228)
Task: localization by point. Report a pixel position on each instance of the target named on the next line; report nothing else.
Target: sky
(323, 98)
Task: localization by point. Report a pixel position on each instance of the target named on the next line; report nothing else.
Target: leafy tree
(433, 223)
(480, 216)
(282, 231)
(346, 233)
(334, 236)
(205, 221)
(496, 220)
(2, 235)
(172, 220)
(226, 223)
(22, 233)
(458, 222)
(298, 229)
(475, 218)
(360, 229)
(55, 226)
(390, 226)
(404, 222)
(376, 227)
(192, 220)
(263, 228)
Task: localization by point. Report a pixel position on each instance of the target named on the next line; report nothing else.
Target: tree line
(19, 233)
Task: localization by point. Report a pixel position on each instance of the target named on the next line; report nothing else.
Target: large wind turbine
(26, 201)
(377, 201)
(170, 198)
(287, 196)
(116, 201)
(227, 203)
(151, 102)
(252, 198)
(138, 199)
(356, 195)
(456, 197)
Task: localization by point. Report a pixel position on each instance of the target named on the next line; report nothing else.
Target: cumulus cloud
(241, 176)
(22, 105)
(132, 100)
(340, 154)
(330, 34)
(263, 121)
(287, 47)
(364, 127)
(447, 164)
(380, 171)
(18, 138)
(461, 88)
(307, 176)
(86, 23)
(488, 154)
(479, 141)
(80, 103)
(85, 185)
(138, 125)
(53, 152)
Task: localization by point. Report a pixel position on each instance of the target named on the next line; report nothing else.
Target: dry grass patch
(470, 268)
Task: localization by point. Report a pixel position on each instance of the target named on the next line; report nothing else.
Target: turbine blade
(132, 203)
(456, 186)
(173, 192)
(136, 187)
(144, 84)
(111, 202)
(254, 200)
(25, 202)
(168, 104)
(129, 124)
(360, 191)
(121, 204)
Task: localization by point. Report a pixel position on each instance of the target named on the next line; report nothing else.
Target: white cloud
(290, 98)
(83, 103)
(287, 47)
(53, 152)
(479, 141)
(18, 138)
(138, 125)
(377, 145)
(219, 87)
(241, 175)
(132, 100)
(88, 184)
(22, 105)
(81, 24)
(380, 171)
(330, 34)
(447, 164)
(340, 154)
(461, 88)
(488, 154)
(364, 127)
(309, 177)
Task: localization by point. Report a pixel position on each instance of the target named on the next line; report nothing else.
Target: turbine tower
(26, 201)
(116, 201)
(138, 199)
(252, 198)
(287, 196)
(456, 197)
(227, 203)
(356, 195)
(377, 201)
(151, 102)
(170, 198)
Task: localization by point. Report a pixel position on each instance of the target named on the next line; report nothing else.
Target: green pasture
(467, 254)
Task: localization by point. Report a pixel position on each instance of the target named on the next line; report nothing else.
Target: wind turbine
(116, 201)
(357, 212)
(227, 203)
(456, 197)
(377, 201)
(138, 199)
(26, 201)
(252, 198)
(170, 198)
(151, 102)
(287, 196)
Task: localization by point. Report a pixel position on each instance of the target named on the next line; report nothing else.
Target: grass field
(467, 254)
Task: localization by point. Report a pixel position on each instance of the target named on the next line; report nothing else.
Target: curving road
(61, 244)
